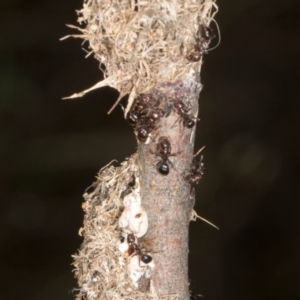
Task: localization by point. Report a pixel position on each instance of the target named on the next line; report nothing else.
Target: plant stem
(167, 199)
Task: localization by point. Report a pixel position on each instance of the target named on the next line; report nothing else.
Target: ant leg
(171, 164)
(175, 154)
(176, 122)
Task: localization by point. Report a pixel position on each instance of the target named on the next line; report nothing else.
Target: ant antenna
(219, 35)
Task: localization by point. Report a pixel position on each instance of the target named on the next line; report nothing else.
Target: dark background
(51, 150)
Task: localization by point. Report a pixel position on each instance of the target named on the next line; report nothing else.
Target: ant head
(194, 56)
(132, 118)
(163, 140)
(207, 33)
(130, 238)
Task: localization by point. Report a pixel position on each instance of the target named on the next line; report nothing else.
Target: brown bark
(167, 199)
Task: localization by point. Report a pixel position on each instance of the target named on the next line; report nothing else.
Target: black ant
(143, 132)
(163, 149)
(198, 51)
(197, 171)
(143, 116)
(139, 106)
(182, 110)
(144, 128)
(207, 34)
(204, 37)
(195, 55)
(153, 116)
(180, 107)
(147, 123)
(134, 249)
(133, 118)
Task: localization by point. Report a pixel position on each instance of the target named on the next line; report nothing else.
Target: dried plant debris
(110, 264)
(143, 43)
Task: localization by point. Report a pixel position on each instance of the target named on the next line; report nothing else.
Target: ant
(147, 123)
(182, 110)
(143, 132)
(207, 34)
(133, 118)
(204, 37)
(143, 116)
(143, 103)
(197, 171)
(134, 249)
(154, 116)
(163, 149)
(139, 106)
(196, 54)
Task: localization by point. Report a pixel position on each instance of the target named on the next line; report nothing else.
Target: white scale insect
(134, 218)
(134, 224)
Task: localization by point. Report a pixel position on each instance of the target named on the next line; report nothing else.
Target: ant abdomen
(143, 133)
(163, 168)
(146, 259)
(188, 122)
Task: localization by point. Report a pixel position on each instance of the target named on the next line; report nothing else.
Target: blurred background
(51, 150)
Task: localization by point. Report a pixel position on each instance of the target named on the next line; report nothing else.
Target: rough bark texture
(167, 198)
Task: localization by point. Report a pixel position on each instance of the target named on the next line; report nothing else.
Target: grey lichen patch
(142, 43)
(100, 267)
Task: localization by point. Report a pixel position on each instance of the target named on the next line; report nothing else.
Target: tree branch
(137, 215)
(167, 198)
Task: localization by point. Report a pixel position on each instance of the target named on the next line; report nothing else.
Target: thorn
(199, 151)
(122, 94)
